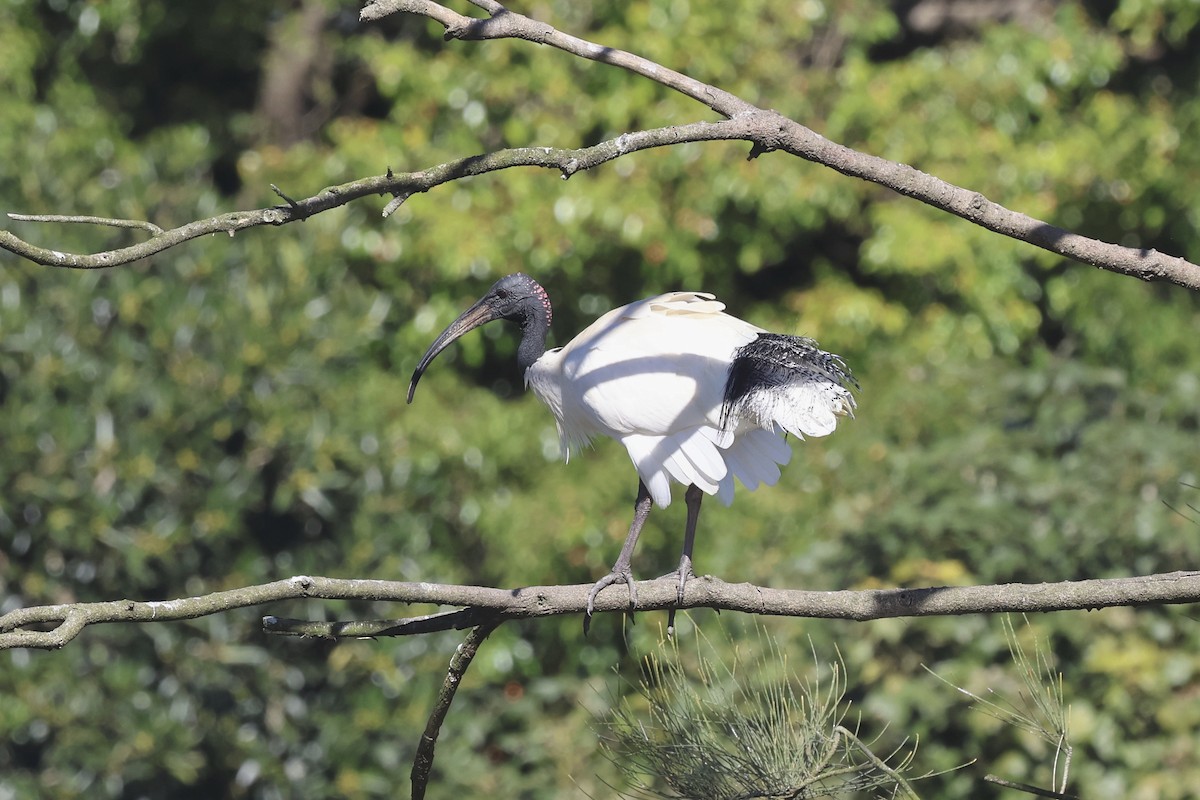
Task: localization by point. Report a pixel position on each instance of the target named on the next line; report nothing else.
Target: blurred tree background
(232, 411)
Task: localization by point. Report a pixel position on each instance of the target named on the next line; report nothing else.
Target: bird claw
(616, 576)
(684, 572)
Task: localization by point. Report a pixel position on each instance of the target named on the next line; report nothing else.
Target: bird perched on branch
(695, 395)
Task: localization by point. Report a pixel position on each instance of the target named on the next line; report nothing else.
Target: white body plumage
(655, 376)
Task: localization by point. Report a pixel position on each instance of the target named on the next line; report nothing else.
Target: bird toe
(684, 572)
(616, 576)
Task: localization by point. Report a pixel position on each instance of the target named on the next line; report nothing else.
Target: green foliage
(1038, 707)
(707, 727)
(232, 411)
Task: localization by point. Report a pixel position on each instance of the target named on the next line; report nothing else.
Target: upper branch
(504, 24)
(766, 130)
(485, 605)
(403, 185)
(1146, 264)
(89, 220)
(790, 136)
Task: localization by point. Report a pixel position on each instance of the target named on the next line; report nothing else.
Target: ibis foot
(621, 572)
(684, 574)
(618, 575)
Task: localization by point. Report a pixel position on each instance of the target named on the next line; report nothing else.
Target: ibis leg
(621, 573)
(693, 498)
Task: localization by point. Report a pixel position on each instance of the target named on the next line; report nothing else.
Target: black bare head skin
(517, 298)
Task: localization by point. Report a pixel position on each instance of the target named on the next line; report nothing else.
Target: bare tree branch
(373, 628)
(766, 130)
(504, 24)
(483, 604)
(403, 185)
(459, 663)
(792, 137)
(112, 223)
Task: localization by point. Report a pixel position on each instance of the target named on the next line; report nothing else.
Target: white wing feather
(660, 365)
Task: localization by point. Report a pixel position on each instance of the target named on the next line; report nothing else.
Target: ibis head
(517, 298)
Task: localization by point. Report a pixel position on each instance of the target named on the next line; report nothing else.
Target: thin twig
(139, 224)
(502, 23)
(879, 764)
(459, 663)
(373, 628)
(285, 198)
(1025, 787)
(394, 204)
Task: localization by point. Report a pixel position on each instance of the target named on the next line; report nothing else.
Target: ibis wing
(655, 367)
(652, 376)
(695, 395)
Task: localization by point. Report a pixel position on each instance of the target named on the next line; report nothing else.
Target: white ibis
(695, 395)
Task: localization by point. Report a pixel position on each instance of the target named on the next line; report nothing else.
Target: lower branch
(458, 667)
(24, 627)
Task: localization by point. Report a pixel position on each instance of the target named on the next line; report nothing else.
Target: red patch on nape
(545, 298)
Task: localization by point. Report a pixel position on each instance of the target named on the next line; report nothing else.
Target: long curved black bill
(469, 320)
